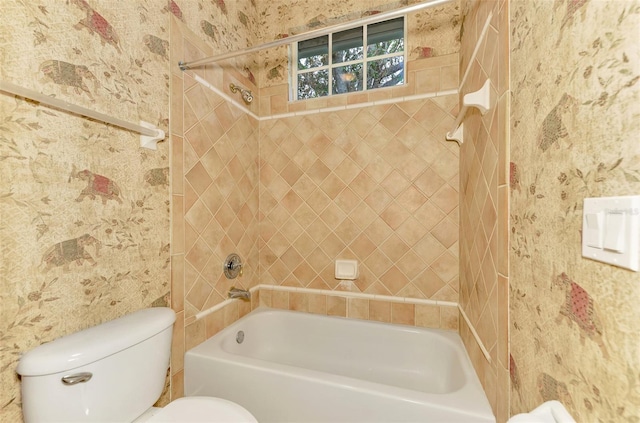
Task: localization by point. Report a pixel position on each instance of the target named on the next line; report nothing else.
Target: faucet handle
(232, 266)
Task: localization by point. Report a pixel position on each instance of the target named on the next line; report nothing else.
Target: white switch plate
(623, 246)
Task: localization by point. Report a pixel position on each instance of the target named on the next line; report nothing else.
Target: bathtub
(286, 366)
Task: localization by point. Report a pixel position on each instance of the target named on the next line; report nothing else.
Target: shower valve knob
(232, 266)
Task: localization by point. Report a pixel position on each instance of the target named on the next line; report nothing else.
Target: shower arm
(315, 33)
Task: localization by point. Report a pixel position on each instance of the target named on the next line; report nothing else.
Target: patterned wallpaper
(223, 26)
(84, 210)
(575, 323)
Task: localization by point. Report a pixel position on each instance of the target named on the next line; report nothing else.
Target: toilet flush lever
(77, 378)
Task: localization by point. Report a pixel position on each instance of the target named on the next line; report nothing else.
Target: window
(352, 66)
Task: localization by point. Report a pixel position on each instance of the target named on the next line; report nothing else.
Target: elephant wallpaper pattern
(575, 331)
(84, 210)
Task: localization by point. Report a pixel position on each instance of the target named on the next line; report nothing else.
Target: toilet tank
(126, 360)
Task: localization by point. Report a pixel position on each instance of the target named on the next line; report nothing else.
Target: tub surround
(484, 238)
(383, 308)
(382, 198)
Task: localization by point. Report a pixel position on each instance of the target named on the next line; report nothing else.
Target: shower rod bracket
(369, 19)
(149, 133)
(151, 142)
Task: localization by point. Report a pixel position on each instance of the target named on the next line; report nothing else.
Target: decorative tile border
(394, 100)
(351, 305)
(329, 293)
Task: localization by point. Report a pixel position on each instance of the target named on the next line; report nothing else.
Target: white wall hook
(151, 142)
(481, 100)
(456, 135)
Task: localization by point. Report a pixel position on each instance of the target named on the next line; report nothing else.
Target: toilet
(113, 372)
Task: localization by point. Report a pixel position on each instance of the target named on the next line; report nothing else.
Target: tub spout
(243, 294)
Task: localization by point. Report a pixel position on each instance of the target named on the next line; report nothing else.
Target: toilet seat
(202, 409)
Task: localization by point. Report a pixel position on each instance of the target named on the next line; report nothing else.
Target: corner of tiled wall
(484, 212)
(176, 140)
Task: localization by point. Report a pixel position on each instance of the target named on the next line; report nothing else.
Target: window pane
(385, 37)
(347, 45)
(347, 79)
(386, 72)
(313, 53)
(313, 84)
(384, 60)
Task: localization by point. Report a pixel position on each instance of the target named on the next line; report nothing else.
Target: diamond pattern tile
(221, 197)
(480, 158)
(360, 184)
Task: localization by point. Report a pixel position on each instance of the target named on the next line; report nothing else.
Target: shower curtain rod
(315, 33)
(149, 134)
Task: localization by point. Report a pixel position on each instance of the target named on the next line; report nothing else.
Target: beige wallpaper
(575, 323)
(84, 211)
(484, 239)
(224, 26)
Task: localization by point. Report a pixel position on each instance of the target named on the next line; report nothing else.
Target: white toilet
(113, 372)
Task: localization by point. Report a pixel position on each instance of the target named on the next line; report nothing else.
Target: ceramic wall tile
(366, 207)
(481, 213)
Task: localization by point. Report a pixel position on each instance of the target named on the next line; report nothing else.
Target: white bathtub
(300, 367)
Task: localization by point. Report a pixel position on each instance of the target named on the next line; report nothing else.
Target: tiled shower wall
(375, 182)
(214, 159)
(484, 237)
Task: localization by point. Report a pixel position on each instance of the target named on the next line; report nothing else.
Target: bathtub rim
(470, 393)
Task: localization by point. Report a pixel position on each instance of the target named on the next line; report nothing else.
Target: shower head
(247, 95)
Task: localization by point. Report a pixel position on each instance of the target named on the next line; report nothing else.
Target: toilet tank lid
(95, 343)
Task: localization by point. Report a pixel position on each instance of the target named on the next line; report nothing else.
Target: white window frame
(294, 71)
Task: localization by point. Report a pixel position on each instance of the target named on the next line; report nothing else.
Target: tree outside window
(351, 67)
